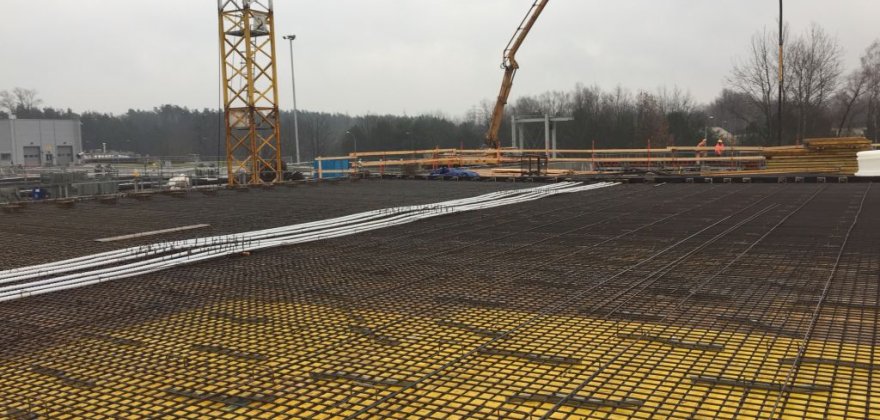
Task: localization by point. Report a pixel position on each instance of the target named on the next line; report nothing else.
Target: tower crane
(510, 67)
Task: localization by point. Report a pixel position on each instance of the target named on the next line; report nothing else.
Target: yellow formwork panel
(295, 360)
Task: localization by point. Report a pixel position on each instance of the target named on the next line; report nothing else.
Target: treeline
(174, 131)
(821, 99)
(616, 118)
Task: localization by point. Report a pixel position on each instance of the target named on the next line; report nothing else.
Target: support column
(553, 136)
(513, 131)
(547, 132)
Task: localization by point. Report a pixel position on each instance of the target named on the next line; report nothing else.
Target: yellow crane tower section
(250, 91)
(510, 67)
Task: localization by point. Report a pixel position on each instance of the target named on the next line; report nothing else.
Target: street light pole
(355, 164)
(293, 87)
(781, 74)
(706, 127)
(355, 140)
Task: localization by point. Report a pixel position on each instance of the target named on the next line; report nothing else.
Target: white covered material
(869, 163)
(179, 182)
(113, 265)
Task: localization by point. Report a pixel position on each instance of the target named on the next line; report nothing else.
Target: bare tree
(27, 98)
(812, 72)
(19, 99)
(756, 76)
(871, 68)
(733, 107)
(586, 99)
(675, 100)
(7, 101)
(555, 103)
(320, 130)
(618, 102)
(847, 99)
(652, 126)
(815, 63)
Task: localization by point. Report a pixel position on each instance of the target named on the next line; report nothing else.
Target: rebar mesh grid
(688, 301)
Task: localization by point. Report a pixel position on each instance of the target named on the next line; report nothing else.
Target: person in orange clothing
(701, 153)
(719, 147)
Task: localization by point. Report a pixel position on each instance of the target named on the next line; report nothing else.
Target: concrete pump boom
(510, 67)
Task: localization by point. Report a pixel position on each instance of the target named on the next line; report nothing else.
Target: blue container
(334, 168)
(39, 193)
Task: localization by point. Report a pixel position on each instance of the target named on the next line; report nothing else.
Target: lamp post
(781, 74)
(293, 88)
(355, 140)
(706, 128)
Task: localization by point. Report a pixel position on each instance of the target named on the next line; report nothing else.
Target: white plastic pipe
(201, 250)
(71, 265)
(114, 257)
(212, 241)
(164, 263)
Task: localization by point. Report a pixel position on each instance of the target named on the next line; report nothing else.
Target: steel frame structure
(250, 91)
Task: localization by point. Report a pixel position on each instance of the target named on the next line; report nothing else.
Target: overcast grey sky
(396, 56)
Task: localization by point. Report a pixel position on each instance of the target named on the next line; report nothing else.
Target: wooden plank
(655, 159)
(780, 171)
(151, 233)
(659, 150)
(712, 148)
(506, 152)
(400, 152)
(841, 142)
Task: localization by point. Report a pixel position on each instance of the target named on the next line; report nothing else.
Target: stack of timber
(827, 156)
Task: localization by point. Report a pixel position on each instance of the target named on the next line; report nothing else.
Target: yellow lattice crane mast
(250, 92)
(510, 67)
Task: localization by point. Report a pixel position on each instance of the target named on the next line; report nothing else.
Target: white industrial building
(39, 142)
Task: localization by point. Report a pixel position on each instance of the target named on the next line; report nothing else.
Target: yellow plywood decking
(275, 360)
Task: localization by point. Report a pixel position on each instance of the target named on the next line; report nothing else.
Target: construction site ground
(634, 301)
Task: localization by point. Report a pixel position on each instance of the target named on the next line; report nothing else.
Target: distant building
(39, 142)
(850, 132)
(728, 137)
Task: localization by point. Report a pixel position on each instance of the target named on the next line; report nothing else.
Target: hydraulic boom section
(510, 67)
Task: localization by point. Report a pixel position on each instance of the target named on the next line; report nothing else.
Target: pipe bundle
(83, 271)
